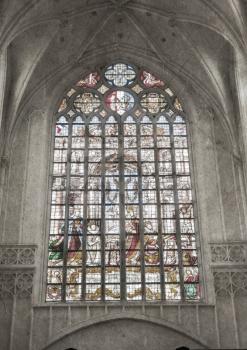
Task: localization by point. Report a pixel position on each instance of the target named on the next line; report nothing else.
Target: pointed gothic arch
(122, 221)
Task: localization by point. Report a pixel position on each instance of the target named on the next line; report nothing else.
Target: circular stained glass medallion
(87, 102)
(153, 102)
(120, 74)
(120, 101)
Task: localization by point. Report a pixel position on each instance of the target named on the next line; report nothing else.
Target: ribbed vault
(42, 40)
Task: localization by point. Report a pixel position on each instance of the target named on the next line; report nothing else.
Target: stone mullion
(65, 240)
(162, 278)
(141, 224)
(122, 213)
(176, 202)
(84, 250)
(102, 226)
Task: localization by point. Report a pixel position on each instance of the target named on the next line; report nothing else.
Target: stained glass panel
(120, 101)
(87, 102)
(122, 221)
(120, 74)
(134, 291)
(149, 80)
(153, 102)
(89, 81)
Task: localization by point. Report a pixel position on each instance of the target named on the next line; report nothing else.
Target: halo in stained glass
(87, 102)
(153, 102)
(120, 74)
(120, 101)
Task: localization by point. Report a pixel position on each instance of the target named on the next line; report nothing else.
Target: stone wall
(30, 323)
(84, 325)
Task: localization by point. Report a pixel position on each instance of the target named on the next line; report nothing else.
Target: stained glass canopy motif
(122, 221)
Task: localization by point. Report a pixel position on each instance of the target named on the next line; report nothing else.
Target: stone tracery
(129, 214)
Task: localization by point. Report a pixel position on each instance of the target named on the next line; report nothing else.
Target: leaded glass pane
(120, 101)
(120, 74)
(122, 221)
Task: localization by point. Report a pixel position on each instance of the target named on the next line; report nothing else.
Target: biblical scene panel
(120, 101)
(121, 203)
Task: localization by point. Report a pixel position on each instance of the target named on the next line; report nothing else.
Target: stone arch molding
(61, 79)
(180, 336)
(196, 101)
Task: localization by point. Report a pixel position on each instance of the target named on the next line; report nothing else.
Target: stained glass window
(122, 221)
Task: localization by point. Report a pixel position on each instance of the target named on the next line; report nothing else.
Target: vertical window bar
(162, 279)
(66, 229)
(122, 212)
(141, 224)
(84, 238)
(102, 226)
(178, 231)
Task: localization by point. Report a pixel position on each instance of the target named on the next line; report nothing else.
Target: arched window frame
(172, 102)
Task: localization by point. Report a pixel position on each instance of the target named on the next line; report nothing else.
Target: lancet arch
(122, 217)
